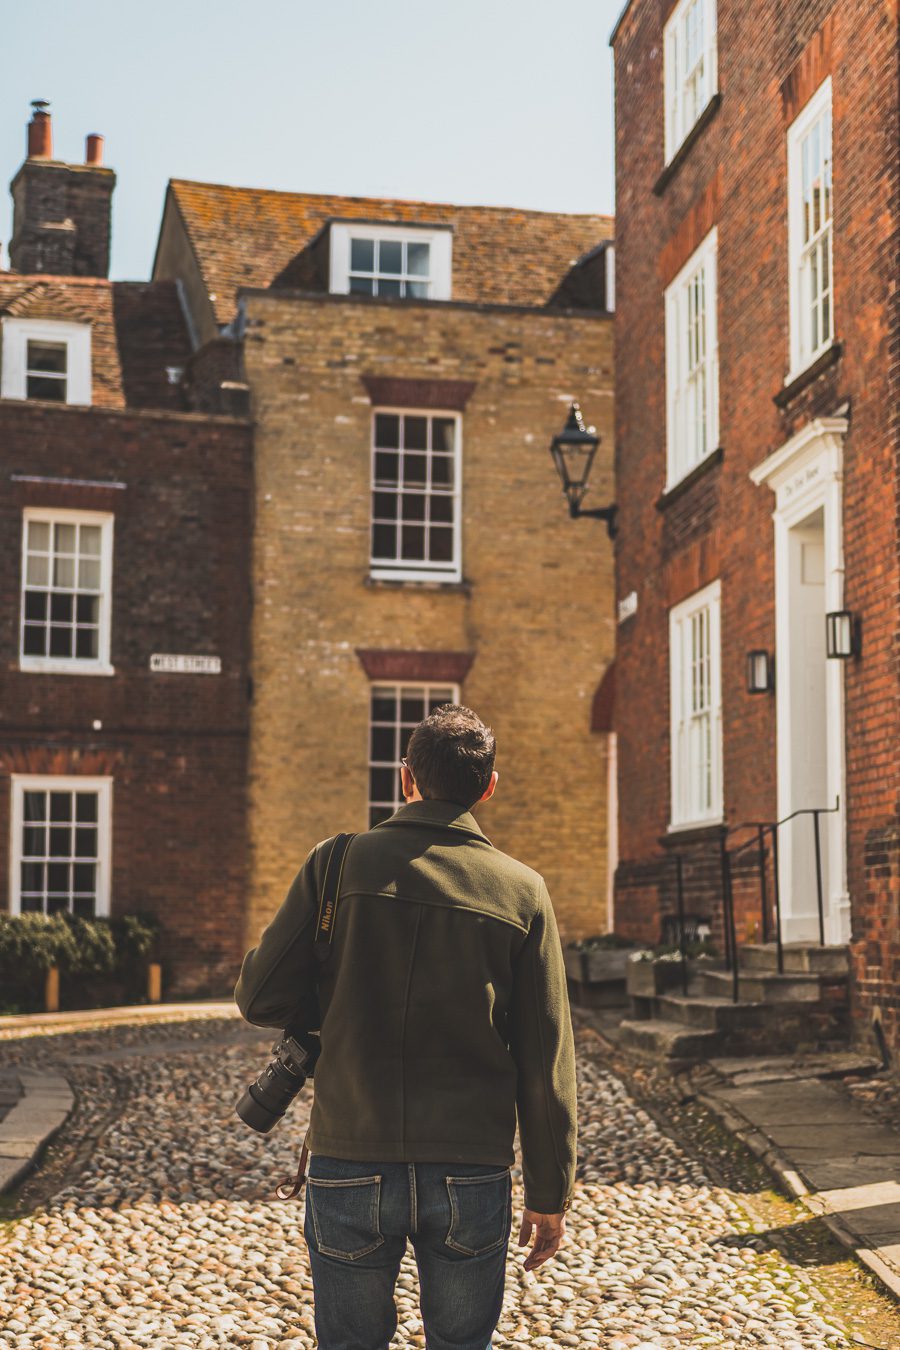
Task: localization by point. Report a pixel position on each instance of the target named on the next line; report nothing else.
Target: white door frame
(806, 474)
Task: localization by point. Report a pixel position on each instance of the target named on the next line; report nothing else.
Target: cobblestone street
(150, 1223)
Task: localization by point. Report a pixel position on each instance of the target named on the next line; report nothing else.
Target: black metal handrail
(727, 855)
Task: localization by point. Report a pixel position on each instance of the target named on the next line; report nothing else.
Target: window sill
(796, 383)
(686, 145)
(417, 584)
(49, 666)
(672, 494)
(693, 832)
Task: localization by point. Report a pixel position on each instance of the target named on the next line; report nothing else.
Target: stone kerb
(35, 1118)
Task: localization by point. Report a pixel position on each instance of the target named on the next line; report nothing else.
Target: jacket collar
(448, 814)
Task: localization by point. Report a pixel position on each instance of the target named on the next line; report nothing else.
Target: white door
(806, 474)
(806, 775)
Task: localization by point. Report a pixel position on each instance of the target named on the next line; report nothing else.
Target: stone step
(712, 1012)
(799, 957)
(761, 986)
(669, 1040)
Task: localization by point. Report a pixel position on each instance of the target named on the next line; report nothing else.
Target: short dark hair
(451, 755)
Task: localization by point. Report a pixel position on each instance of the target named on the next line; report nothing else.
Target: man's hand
(549, 1231)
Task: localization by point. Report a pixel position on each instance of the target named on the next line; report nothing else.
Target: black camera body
(265, 1101)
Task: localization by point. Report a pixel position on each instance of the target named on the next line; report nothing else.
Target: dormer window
(46, 359)
(390, 261)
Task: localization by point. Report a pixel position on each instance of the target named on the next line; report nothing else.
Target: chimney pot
(94, 150)
(40, 131)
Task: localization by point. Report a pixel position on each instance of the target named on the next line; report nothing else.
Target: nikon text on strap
(331, 889)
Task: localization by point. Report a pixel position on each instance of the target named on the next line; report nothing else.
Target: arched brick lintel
(395, 664)
(391, 392)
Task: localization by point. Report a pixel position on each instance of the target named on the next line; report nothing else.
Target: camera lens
(266, 1100)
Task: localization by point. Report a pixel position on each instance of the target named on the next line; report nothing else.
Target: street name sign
(168, 663)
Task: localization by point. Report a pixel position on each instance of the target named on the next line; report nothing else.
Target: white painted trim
(612, 827)
(17, 333)
(785, 468)
(21, 783)
(74, 665)
(806, 474)
(704, 258)
(441, 254)
(379, 569)
(800, 358)
(709, 598)
(609, 258)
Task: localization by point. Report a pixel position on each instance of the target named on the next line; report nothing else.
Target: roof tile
(501, 255)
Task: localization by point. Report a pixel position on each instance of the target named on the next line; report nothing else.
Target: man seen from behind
(444, 1019)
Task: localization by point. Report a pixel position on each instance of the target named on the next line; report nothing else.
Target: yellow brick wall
(536, 605)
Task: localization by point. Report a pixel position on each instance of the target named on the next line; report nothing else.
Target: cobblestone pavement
(150, 1224)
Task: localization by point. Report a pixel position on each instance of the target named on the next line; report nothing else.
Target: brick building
(408, 365)
(124, 531)
(758, 354)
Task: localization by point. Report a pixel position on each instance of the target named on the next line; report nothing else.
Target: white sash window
(810, 210)
(60, 854)
(692, 362)
(690, 67)
(696, 708)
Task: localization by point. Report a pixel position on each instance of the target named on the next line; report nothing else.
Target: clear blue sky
(501, 102)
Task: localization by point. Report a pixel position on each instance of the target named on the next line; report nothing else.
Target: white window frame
(426, 687)
(609, 259)
(683, 373)
(687, 808)
(802, 351)
(17, 333)
(22, 783)
(379, 569)
(677, 80)
(440, 243)
(71, 665)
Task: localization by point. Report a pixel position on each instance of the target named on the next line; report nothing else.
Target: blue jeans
(358, 1217)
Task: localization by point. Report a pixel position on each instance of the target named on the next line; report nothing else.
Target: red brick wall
(174, 744)
(772, 55)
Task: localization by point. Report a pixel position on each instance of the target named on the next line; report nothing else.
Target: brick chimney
(61, 212)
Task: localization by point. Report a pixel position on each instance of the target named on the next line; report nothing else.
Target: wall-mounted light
(573, 453)
(760, 672)
(841, 635)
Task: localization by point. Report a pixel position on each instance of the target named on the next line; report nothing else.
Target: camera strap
(331, 889)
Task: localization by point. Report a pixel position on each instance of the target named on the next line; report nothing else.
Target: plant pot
(649, 979)
(597, 975)
(606, 964)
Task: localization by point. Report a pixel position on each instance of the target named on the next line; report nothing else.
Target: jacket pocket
(345, 1216)
(480, 1212)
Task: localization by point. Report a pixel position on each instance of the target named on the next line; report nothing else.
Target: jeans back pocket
(345, 1216)
(480, 1212)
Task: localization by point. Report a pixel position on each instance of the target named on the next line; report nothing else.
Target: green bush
(89, 953)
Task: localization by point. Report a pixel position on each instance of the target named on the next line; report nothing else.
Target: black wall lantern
(573, 453)
(841, 635)
(760, 672)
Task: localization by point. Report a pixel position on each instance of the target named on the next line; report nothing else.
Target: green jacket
(443, 1005)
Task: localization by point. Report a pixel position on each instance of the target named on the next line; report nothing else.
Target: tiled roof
(137, 329)
(248, 236)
